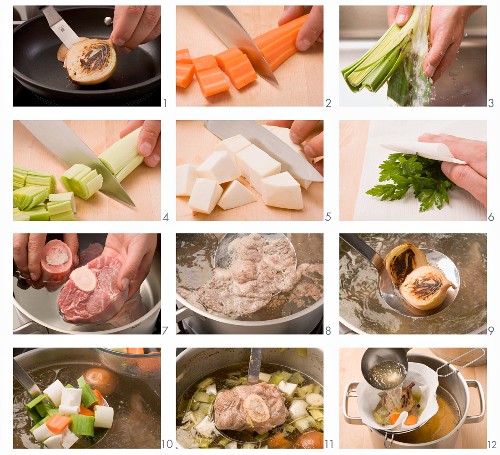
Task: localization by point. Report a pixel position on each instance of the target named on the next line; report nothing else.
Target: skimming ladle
(390, 293)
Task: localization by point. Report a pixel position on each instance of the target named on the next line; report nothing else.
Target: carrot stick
(393, 418)
(99, 396)
(272, 35)
(57, 423)
(184, 73)
(204, 63)
(240, 71)
(86, 411)
(411, 420)
(135, 350)
(225, 56)
(280, 50)
(183, 56)
(212, 81)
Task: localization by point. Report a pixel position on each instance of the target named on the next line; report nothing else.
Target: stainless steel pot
(455, 384)
(309, 247)
(55, 357)
(36, 310)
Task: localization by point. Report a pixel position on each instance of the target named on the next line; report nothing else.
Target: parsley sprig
(424, 176)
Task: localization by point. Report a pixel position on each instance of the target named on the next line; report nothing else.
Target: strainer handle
(388, 442)
(482, 405)
(351, 392)
(483, 353)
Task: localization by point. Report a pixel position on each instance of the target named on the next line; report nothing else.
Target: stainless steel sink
(463, 84)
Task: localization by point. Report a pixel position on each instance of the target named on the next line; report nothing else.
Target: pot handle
(183, 313)
(30, 327)
(482, 406)
(351, 392)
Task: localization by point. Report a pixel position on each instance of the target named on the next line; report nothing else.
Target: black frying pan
(37, 68)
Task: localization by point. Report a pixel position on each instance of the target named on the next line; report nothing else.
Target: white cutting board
(462, 206)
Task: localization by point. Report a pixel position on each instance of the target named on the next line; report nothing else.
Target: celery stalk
(27, 177)
(122, 153)
(29, 196)
(64, 216)
(127, 170)
(88, 397)
(82, 425)
(59, 207)
(19, 215)
(59, 197)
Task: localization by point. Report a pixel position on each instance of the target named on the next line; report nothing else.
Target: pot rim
(238, 322)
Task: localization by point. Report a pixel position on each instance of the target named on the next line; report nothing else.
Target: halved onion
(402, 260)
(425, 288)
(91, 61)
(63, 51)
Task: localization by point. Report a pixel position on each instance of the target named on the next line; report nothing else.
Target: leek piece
(59, 197)
(88, 397)
(19, 215)
(83, 181)
(202, 397)
(29, 196)
(127, 170)
(59, 207)
(296, 378)
(121, 154)
(286, 375)
(377, 65)
(82, 425)
(276, 378)
(205, 383)
(27, 177)
(51, 412)
(37, 400)
(65, 216)
(39, 213)
(316, 414)
(31, 408)
(19, 177)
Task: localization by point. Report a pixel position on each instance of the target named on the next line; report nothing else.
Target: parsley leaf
(424, 176)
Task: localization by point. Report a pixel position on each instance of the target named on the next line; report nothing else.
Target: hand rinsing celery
(63, 414)
(398, 57)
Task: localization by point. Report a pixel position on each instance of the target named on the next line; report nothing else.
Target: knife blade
(63, 142)
(291, 161)
(229, 30)
(59, 26)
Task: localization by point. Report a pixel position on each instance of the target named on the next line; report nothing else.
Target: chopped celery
(59, 197)
(276, 378)
(59, 207)
(316, 389)
(303, 391)
(195, 405)
(82, 181)
(43, 408)
(51, 412)
(296, 378)
(19, 215)
(29, 197)
(206, 408)
(286, 375)
(82, 425)
(65, 216)
(224, 442)
(88, 397)
(37, 400)
(122, 155)
(131, 165)
(316, 414)
(38, 213)
(202, 396)
(205, 383)
(203, 443)
(27, 177)
(19, 177)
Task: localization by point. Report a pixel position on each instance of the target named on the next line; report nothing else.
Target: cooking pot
(36, 310)
(56, 357)
(454, 383)
(308, 247)
(362, 309)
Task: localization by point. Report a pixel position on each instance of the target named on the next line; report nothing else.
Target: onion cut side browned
(63, 51)
(91, 61)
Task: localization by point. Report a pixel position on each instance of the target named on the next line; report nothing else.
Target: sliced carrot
(282, 49)
(278, 441)
(183, 56)
(273, 35)
(393, 418)
(212, 81)
(204, 63)
(57, 423)
(240, 71)
(135, 350)
(99, 396)
(184, 73)
(86, 411)
(225, 56)
(411, 420)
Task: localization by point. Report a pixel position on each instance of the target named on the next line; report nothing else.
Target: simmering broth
(136, 405)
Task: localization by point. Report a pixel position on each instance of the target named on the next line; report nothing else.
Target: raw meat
(259, 407)
(93, 251)
(133, 309)
(57, 261)
(101, 304)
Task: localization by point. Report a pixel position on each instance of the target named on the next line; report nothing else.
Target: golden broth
(439, 425)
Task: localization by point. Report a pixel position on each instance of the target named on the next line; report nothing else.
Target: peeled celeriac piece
(71, 396)
(255, 164)
(425, 288)
(205, 195)
(283, 191)
(103, 416)
(235, 195)
(54, 442)
(82, 181)
(233, 144)
(91, 61)
(42, 433)
(402, 260)
(219, 166)
(29, 197)
(68, 438)
(54, 392)
(185, 175)
(123, 156)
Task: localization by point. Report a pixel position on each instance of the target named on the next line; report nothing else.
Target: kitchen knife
(60, 27)
(290, 160)
(229, 30)
(63, 142)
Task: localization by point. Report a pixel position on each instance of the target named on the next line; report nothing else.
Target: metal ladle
(390, 293)
(384, 368)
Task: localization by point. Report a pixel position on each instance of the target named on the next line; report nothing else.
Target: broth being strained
(135, 405)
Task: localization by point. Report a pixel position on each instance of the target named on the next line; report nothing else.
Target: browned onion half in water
(91, 61)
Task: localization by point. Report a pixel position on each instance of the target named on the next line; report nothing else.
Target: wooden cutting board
(195, 143)
(471, 436)
(143, 185)
(300, 78)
